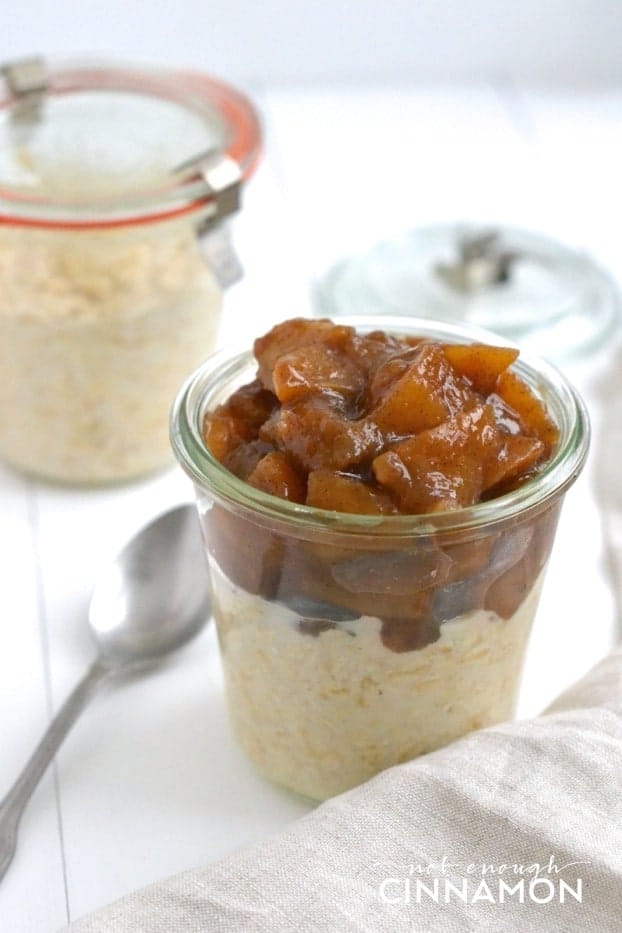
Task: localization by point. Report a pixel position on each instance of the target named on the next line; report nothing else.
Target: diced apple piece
(390, 370)
(532, 413)
(237, 421)
(317, 437)
(429, 485)
(400, 635)
(393, 573)
(507, 592)
(469, 557)
(316, 370)
(427, 394)
(248, 553)
(518, 455)
(441, 468)
(292, 334)
(506, 418)
(223, 432)
(276, 474)
(315, 581)
(245, 457)
(329, 490)
(513, 544)
(252, 403)
(370, 351)
(480, 363)
(472, 434)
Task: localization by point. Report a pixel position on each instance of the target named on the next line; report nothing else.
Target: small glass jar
(351, 643)
(115, 187)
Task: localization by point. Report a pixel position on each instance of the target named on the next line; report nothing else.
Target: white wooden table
(151, 782)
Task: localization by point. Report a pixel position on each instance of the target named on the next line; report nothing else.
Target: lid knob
(482, 261)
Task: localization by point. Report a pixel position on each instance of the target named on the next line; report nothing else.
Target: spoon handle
(13, 805)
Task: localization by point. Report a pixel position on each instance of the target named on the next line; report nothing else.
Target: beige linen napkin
(481, 815)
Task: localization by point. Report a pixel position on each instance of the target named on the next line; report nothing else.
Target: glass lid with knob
(556, 301)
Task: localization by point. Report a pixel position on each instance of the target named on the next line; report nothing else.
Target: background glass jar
(351, 643)
(110, 182)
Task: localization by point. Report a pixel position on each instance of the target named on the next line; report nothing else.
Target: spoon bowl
(154, 597)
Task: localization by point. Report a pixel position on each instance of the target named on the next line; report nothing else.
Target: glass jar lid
(555, 301)
(99, 145)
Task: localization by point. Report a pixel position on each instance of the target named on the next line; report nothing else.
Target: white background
(553, 41)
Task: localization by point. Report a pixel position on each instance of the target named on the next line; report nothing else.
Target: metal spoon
(152, 599)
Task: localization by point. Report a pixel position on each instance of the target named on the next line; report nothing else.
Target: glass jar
(115, 186)
(351, 643)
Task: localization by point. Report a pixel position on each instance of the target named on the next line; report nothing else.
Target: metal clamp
(482, 261)
(222, 177)
(28, 83)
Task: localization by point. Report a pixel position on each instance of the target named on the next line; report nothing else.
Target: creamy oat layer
(97, 332)
(320, 714)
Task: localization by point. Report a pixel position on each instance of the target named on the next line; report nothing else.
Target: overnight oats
(378, 511)
(114, 320)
